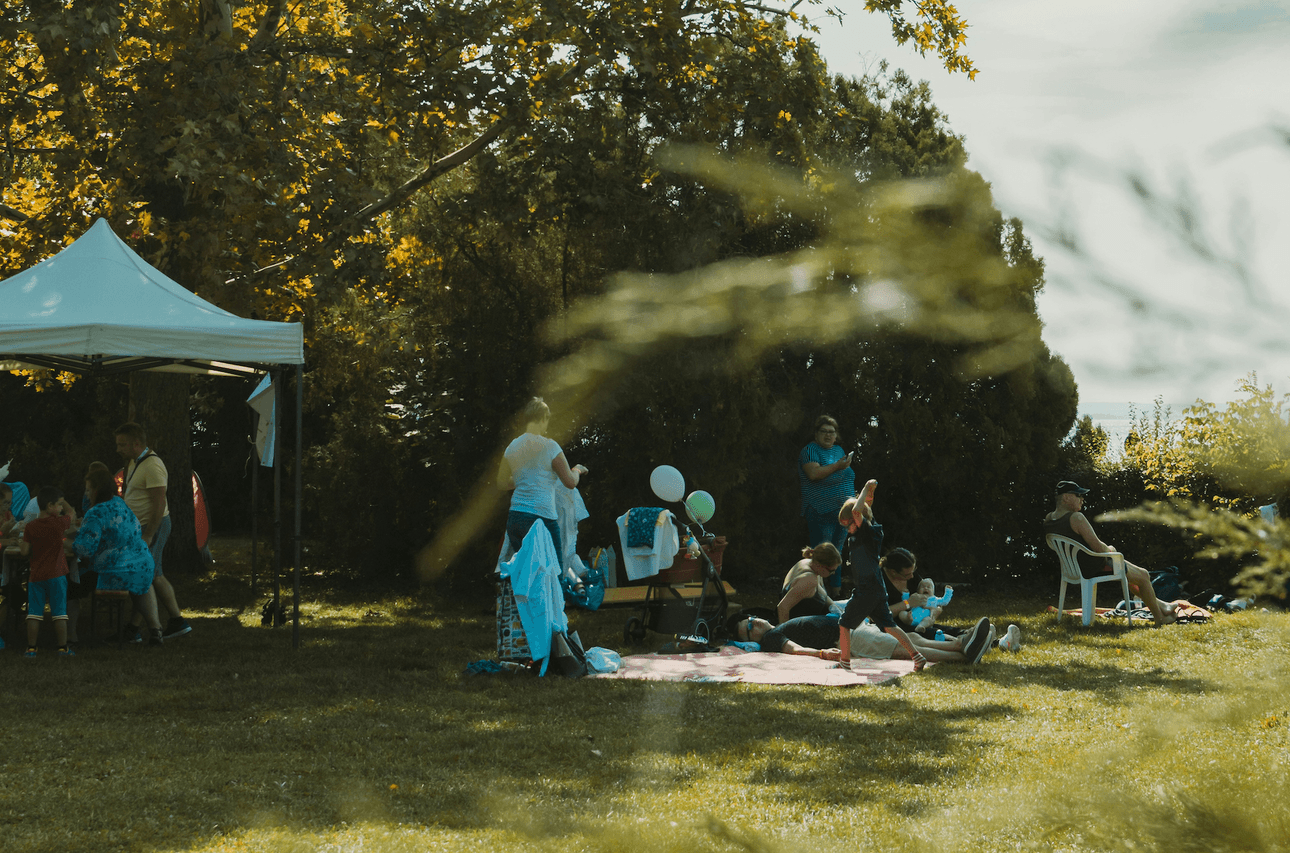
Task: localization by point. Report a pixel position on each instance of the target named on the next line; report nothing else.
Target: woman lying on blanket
(810, 635)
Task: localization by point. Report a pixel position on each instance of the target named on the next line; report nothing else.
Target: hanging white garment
(644, 562)
(569, 510)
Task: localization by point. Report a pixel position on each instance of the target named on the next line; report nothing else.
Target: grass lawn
(370, 737)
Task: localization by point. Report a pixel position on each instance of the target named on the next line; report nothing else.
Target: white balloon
(667, 483)
(700, 507)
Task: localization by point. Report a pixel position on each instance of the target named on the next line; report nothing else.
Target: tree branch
(268, 24)
(444, 164)
(11, 213)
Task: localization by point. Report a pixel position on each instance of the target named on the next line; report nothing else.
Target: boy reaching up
(43, 543)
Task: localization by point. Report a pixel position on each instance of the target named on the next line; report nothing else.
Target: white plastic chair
(1067, 552)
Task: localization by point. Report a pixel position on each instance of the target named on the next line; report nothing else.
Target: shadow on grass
(373, 720)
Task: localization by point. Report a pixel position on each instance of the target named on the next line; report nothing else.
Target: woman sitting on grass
(803, 588)
(900, 576)
(112, 539)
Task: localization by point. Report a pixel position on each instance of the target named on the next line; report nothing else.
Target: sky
(1074, 104)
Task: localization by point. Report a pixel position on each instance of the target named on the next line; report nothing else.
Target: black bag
(1168, 585)
(567, 655)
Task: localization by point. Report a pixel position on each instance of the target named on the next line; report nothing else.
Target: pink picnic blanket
(733, 664)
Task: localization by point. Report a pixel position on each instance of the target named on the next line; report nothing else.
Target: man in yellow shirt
(144, 491)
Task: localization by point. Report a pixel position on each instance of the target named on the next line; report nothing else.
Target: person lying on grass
(812, 636)
(869, 596)
(1068, 520)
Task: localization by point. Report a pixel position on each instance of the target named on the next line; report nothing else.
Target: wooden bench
(634, 596)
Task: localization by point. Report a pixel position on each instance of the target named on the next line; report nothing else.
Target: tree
(746, 312)
(256, 152)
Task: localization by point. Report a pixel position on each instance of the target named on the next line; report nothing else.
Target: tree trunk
(159, 402)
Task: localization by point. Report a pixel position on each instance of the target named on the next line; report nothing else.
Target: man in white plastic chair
(1068, 520)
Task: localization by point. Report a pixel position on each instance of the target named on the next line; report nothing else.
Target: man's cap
(1070, 487)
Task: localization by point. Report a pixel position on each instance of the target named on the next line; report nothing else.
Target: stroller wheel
(634, 631)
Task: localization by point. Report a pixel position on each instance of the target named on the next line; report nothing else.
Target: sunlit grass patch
(370, 737)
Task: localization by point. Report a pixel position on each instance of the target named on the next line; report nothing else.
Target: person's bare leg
(866, 495)
(930, 653)
(923, 644)
(60, 633)
(33, 632)
(914, 654)
(146, 605)
(73, 614)
(1141, 578)
(166, 597)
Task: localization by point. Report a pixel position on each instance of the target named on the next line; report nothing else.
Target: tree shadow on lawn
(1114, 683)
(372, 720)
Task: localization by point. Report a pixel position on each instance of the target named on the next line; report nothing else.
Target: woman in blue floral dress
(110, 537)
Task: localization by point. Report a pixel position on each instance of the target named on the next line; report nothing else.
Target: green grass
(370, 738)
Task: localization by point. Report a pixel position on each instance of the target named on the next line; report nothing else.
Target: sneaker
(1011, 641)
(176, 627)
(982, 633)
(30, 653)
(65, 652)
(154, 637)
(129, 634)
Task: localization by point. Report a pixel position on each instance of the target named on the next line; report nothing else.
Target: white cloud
(1172, 91)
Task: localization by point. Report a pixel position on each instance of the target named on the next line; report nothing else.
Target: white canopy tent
(97, 308)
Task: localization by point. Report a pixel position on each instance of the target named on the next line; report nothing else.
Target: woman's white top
(530, 458)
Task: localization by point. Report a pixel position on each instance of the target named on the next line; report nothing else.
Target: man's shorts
(53, 592)
(869, 641)
(158, 545)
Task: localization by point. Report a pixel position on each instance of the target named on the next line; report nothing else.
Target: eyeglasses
(826, 431)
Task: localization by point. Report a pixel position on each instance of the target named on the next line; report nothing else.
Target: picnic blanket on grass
(1185, 611)
(732, 664)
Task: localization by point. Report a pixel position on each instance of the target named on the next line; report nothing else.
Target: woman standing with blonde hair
(803, 590)
(532, 465)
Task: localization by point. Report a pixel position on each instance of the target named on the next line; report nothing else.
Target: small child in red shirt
(42, 541)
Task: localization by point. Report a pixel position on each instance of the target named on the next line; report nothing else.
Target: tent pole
(277, 492)
(295, 591)
(255, 511)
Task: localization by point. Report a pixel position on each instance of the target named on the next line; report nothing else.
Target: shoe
(129, 634)
(976, 647)
(154, 637)
(1011, 641)
(30, 653)
(176, 627)
(66, 653)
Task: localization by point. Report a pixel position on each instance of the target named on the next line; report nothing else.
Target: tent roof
(98, 307)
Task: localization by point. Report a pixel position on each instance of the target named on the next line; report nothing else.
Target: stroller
(665, 610)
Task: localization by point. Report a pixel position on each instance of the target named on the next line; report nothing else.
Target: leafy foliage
(443, 194)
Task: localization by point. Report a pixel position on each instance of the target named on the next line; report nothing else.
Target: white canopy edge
(98, 306)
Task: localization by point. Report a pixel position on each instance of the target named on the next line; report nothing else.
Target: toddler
(922, 618)
(47, 584)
